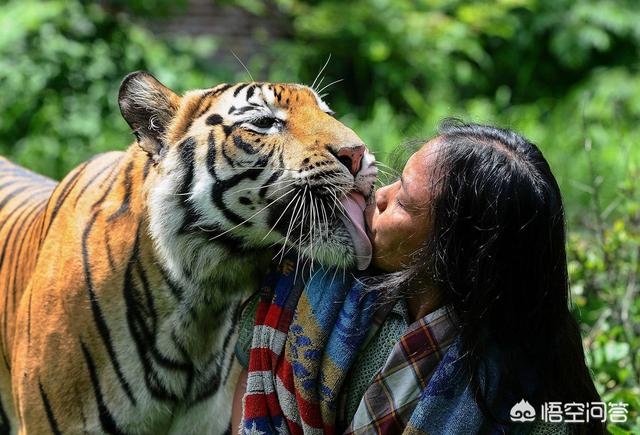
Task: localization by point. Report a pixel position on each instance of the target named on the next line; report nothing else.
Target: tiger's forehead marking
(276, 97)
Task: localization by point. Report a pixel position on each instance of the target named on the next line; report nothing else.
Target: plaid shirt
(390, 400)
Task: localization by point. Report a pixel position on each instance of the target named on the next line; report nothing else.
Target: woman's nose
(381, 198)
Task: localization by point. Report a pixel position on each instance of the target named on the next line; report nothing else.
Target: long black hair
(497, 256)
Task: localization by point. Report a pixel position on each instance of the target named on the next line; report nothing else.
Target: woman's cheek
(400, 222)
(391, 232)
(387, 225)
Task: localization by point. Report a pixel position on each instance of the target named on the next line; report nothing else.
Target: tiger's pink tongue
(354, 204)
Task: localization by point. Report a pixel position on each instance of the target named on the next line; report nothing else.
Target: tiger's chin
(339, 241)
(337, 251)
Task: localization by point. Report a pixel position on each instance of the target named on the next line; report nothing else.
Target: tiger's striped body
(104, 237)
(119, 285)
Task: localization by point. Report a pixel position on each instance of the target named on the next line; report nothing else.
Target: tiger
(121, 284)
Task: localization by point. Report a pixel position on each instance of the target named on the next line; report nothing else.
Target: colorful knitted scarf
(306, 337)
(304, 341)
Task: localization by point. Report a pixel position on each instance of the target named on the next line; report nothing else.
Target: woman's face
(399, 221)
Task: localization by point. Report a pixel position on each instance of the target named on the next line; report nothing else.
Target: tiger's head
(247, 166)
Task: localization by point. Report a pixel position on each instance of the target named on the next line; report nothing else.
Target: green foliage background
(563, 73)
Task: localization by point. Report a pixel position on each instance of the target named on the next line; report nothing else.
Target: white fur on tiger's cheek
(280, 114)
(166, 219)
(268, 96)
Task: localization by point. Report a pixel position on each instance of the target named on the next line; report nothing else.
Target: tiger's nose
(351, 157)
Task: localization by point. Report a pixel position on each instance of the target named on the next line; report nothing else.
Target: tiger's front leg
(51, 390)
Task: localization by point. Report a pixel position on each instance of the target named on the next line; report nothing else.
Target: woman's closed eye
(400, 203)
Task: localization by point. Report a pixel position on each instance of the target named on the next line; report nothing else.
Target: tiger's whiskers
(281, 215)
(330, 84)
(251, 217)
(320, 73)
(243, 65)
(262, 186)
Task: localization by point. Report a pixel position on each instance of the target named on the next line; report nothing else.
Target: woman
(472, 236)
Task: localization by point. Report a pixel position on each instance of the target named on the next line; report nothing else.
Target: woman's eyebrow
(409, 201)
(404, 187)
(406, 192)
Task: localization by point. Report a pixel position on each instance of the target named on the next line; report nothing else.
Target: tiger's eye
(264, 122)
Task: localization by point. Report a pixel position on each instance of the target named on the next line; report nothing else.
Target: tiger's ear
(148, 107)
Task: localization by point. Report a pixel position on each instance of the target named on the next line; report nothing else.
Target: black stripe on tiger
(64, 194)
(276, 174)
(213, 382)
(9, 183)
(227, 339)
(124, 207)
(175, 288)
(218, 90)
(136, 312)
(29, 317)
(107, 422)
(243, 145)
(53, 424)
(13, 194)
(244, 109)
(144, 280)
(98, 316)
(219, 186)
(240, 87)
(107, 191)
(226, 156)
(193, 111)
(214, 119)
(95, 177)
(147, 168)
(15, 210)
(250, 91)
(144, 335)
(107, 247)
(9, 168)
(187, 151)
(204, 108)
